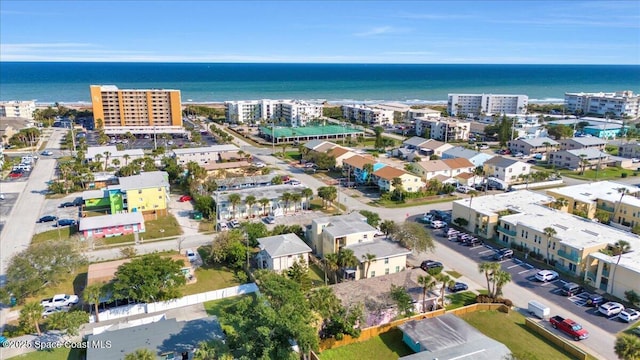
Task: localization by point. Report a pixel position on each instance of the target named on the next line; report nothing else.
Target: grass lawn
(206, 226)
(52, 235)
(70, 284)
(386, 346)
(454, 274)
(316, 204)
(292, 155)
(163, 227)
(316, 274)
(56, 354)
(393, 204)
(609, 173)
(510, 330)
(461, 299)
(211, 278)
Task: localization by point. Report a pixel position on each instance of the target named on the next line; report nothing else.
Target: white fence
(130, 310)
(538, 184)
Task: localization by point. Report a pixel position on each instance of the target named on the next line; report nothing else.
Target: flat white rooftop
(516, 200)
(604, 190)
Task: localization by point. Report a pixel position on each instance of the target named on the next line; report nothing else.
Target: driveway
(182, 211)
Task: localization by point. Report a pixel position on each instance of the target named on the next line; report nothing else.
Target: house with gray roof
(533, 146)
(475, 157)
(280, 252)
(417, 146)
(585, 142)
(508, 170)
(579, 159)
(328, 234)
(449, 337)
(202, 155)
(389, 257)
(166, 338)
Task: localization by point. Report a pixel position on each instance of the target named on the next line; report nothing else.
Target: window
(139, 191)
(98, 231)
(373, 273)
(386, 271)
(386, 261)
(397, 268)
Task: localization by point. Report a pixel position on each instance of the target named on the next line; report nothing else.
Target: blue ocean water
(69, 82)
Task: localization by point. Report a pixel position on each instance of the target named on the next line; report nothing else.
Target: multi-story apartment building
(111, 156)
(369, 114)
(476, 104)
(444, 129)
(533, 146)
(579, 159)
(621, 202)
(20, 109)
(136, 111)
(621, 103)
(578, 246)
(582, 143)
(629, 150)
(292, 112)
(202, 155)
(328, 234)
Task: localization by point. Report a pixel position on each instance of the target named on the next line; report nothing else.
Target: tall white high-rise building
(21, 109)
(621, 103)
(293, 112)
(476, 104)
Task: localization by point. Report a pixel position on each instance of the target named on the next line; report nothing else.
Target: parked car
(270, 220)
(610, 308)
(503, 254)
(437, 224)
(458, 287)
(546, 275)
(430, 264)
(67, 204)
(629, 315)
(47, 218)
(426, 219)
(15, 174)
(294, 182)
(66, 222)
(571, 289)
(185, 198)
(474, 241)
(47, 153)
(191, 255)
(234, 224)
(60, 300)
(52, 310)
(222, 226)
(570, 327)
(594, 300)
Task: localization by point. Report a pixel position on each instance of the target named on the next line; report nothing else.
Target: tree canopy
(149, 278)
(560, 131)
(413, 236)
(373, 219)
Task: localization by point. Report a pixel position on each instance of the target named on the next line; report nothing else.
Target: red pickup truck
(570, 327)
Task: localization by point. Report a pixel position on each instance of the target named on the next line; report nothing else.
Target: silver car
(611, 308)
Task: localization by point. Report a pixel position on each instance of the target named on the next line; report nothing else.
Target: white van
(539, 309)
(23, 167)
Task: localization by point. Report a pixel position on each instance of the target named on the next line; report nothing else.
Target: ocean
(339, 83)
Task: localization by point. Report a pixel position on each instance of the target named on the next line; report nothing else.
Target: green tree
(632, 297)
(501, 278)
(328, 194)
(346, 259)
(560, 131)
(627, 347)
(254, 231)
(368, 169)
(92, 295)
(30, 315)
(560, 203)
(67, 322)
(250, 200)
(206, 205)
(234, 199)
(296, 198)
(549, 232)
(141, 354)
(299, 272)
(489, 269)
(285, 198)
(229, 248)
(331, 266)
(414, 237)
(622, 191)
(149, 278)
(403, 301)
(379, 144)
(446, 283)
(619, 248)
(368, 258)
(428, 283)
(324, 301)
(264, 202)
(398, 189)
(307, 193)
(388, 227)
(373, 219)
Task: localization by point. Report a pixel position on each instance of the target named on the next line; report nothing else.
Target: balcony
(506, 231)
(605, 208)
(571, 256)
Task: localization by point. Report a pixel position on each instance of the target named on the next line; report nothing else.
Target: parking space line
(528, 265)
(524, 271)
(486, 251)
(512, 266)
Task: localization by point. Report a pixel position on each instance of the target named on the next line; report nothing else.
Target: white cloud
(380, 30)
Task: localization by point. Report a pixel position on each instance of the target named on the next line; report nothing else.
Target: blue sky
(505, 32)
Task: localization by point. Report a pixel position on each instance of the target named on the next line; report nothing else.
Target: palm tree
(331, 265)
(285, 197)
(549, 232)
(295, 198)
(264, 202)
(428, 283)
(307, 193)
(126, 158)
(446, 282)
(387, 227)
(32, 312)
(479, 171)
(115, 162)
(250, 201)
(92, 294)
(501, 278)
(234, 200)
(346, 259)
(204, 352)
(488, 269)
(619, 248)
(583, 163)
(106, 159)
(622, 191)
(560, 203)
(141, 354)
(97, 159)
(546, 147)
(367, 169)
(627, 347)
(472, 194)
(368, 258)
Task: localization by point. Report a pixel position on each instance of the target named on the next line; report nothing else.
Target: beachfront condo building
(619, 104)
(372, 115)
(285, 112)
(485, 104)
(444, 129)
(19, 109)
(138, 111)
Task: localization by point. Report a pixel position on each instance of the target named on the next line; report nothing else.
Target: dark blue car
(66, 222)
(458, 287)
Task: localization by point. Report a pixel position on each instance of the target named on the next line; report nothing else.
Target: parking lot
(51, 207)
(5, 207)
(523, 275)
(140, 142)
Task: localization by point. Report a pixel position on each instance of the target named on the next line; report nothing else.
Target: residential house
(166, 338)
(111, 156)
(147, 193)
(273, 193)
(475, 157)
(448, 168)
(579, 159)
(111, 225)
(202, 155)
(506, 169)
(354, 166)
(328, 234)
(585, 142)
(533, 146)
(619, 201)
(280, 252)
(456, 339)
(313, 144)
(390, 257)
(629, 150)
(417, 146)
(340, 154)
(384, 178)
(11, 126)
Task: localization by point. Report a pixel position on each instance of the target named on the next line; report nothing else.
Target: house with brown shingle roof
(340, 154)
(459, 166)
(384, 178)
(447, 169)
(325, 147)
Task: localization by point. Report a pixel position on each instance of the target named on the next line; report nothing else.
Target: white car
(611, 308)
(295, 183)
(546, 275)
(629, 315)
(270, 220)
(437, 224)
(259, 164)
(169, 142)
(191, 255)
(52, 310)
(484, 147)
